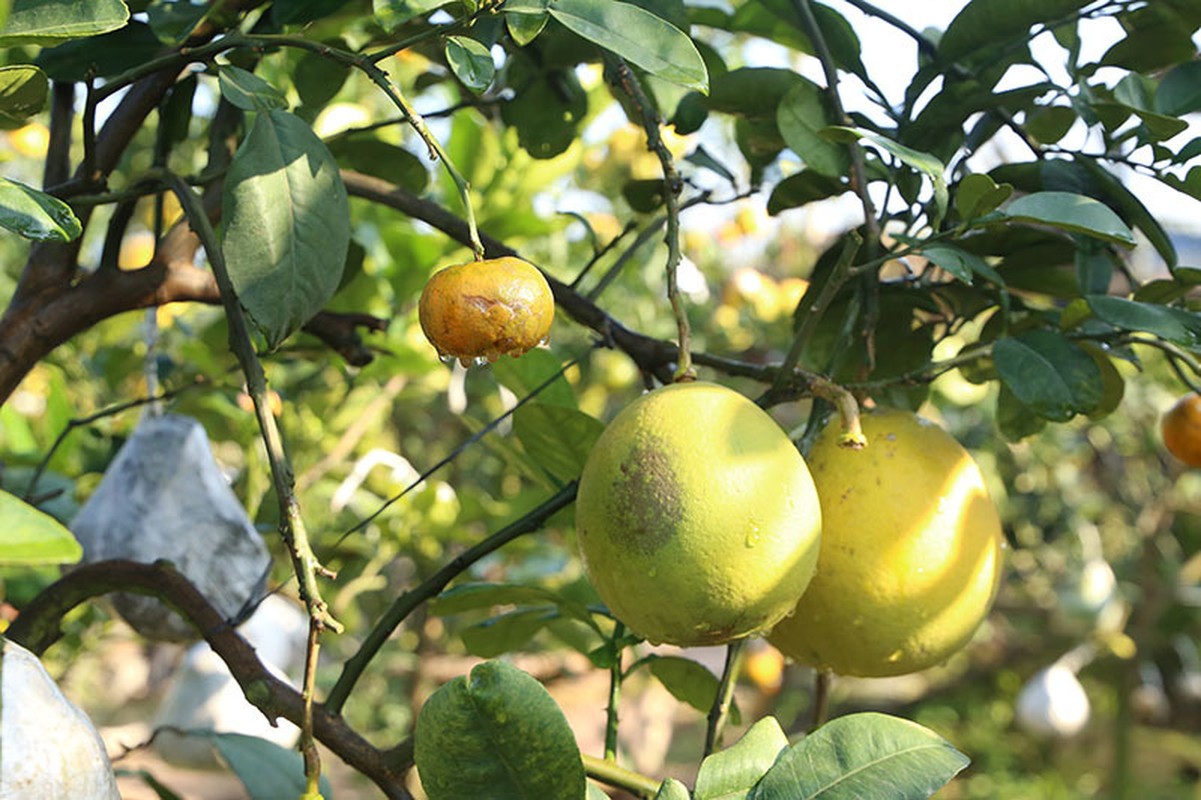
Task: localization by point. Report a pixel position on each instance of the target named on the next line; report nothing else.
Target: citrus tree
(274, 183)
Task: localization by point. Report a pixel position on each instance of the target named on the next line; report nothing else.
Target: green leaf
(1156, 36)
(1131, 209)
(267, 770)
(703, 158)
(548, 108)
(751, 91)
(48, 23)
(1172, 324)
(959, 263)
(596, 793)
(556, 437)
(985, 24)
(523, 375)
(978, 194)
(248, 91)
(671, 789)
(860, 756)
(287, 224)
(1049, 124)
(923, 162)
(394, 13)
(803, 188)
(292, 12)
(475, 596)
(525, 19)
(1015, 420)
(507, 632)
(101, 56)
(636, 35)
(1113, 385)
(471, 62)
(1071, 212)
(688, 681)
(1179, 92)
(732, 773)
(382, 160)
(29, 536)
(35, 214)
(800, 117)
(1048, 373)
(318, 79)
(496, 734)
(23, 91)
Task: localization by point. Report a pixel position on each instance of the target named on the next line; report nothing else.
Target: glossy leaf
(248, 91)
(1179, 91)
(800, 117)
(23, 91)
(287, 225)
(29, 536)
(1071, 212)
(1048, 373)
(637, 35)
(732, 773)
(1172, 324)
(36, 215)
(863, 755)
(496, 734)
(557, 438)
(525, 19)
(471, 62)
(267, 770)
(1132, 209)
(38, 22)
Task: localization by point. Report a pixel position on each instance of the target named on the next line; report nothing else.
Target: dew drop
(480, 361)
(652, 573)
(894, 656)
(544, 341)
(447, 359)
(753, 537)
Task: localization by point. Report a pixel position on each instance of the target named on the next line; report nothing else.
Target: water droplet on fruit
(446, 359)
(544, 341)
(480, 361)
(753, 537)
(894, 656)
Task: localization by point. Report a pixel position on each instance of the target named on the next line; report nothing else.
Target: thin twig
(821, 699)
(615, 676)
(404, 605)
(725, 695)
(611, 774)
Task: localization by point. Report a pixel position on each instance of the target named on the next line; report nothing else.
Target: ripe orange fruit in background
(911, 551)
(485, 309)
(1181, 428)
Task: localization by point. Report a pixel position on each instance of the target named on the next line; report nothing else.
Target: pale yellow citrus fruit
(911, 552)
(1181, 428)
(697, 519)
(485, 309)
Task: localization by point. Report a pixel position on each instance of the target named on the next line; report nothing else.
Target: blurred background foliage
(1077, 498)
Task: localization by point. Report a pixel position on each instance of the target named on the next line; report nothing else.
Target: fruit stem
(848, 411)
(725, 695)
(615, 675)
(629, 83)
(821, 699)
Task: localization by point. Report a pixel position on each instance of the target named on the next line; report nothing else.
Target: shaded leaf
(248, 91)
(496, 734)
(287, 224)
(1172, 324)
(29, 536)
(267, 770)
(1071, 212)
(548, 108)
(923, 162)
(978, 194)
(101, 56)
(394, 13)
(1179, 91)
(983, 24)
(688, 681)
(1048, 373)
(23, 91)
(36, 215)
(523, 375)
(732, 773)
(863, 755)
(475, 596)
(803, 188)
(636, 35)
(383, 160)
(1015, 420)
(508, 632)
(557, 438)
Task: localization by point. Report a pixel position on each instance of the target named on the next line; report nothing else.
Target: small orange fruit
(1181, 428)
(485, 309)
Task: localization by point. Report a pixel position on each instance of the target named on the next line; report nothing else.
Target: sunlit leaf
(471, 62)
(36, 215)
(30, 536)
(1071, 212)
(732, 773)
(39, 22)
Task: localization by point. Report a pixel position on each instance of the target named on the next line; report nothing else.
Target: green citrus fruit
(485, 309)
(911, 552)
(697, 519)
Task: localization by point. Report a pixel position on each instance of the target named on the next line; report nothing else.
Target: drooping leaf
(1071, 212)
(802, 188)
(732, 773)
(1048, 373)
(1179, 92)
(471, 62)
(557, 438)
(637, 35)
(525, 19)
(287, 224)
(1156, 36)
(23, 91)
(688, 681)
(983, 24)
(1172, 324)
(29, 536)
(1132, 209)
(505, 633)
(39, 22)
(800, 117)
(923, 162)
(36, 215)
(496, 734)
(863, 755)
(267, 770)
(248, 91)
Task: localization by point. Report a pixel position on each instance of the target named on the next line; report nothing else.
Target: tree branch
(37, 627)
